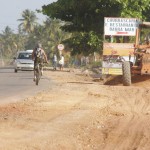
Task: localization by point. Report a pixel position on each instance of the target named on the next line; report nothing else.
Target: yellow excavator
(126, 48)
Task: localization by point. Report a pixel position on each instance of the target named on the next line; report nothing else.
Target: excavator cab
(142, 50)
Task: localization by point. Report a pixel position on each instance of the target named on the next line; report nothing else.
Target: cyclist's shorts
(38, 60)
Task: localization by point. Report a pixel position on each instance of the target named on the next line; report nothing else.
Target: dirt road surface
(79, 113)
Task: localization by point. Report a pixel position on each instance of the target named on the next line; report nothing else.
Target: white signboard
(60, 47)
(120, 26)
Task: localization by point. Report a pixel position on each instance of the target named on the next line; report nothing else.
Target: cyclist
(39, 56)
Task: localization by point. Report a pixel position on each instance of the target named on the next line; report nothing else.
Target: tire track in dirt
(129, 130)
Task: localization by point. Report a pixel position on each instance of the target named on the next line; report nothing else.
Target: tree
(54, 34)
(85, 17)
(11, 42)
(28, 21)
(49, 34)
(84, 43)
(6, 40)
(135, 9)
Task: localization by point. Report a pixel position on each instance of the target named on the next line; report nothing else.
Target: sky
(11, 11)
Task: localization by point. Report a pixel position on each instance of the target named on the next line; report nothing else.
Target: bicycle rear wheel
(37, 77)
(37, 74)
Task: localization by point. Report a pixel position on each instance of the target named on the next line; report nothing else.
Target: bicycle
(38, 73)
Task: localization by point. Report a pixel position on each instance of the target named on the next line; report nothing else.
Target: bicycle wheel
(37, 80)
(37, 74)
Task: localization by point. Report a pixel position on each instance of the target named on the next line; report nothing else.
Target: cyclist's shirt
(38, 54)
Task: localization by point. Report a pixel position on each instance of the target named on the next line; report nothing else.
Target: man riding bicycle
(39, 56)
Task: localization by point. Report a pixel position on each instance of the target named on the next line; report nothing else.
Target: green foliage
(83, 15)
(86, 17)
(49, 34)
(10, 42)
(84, 20)
(135, 9)
(96, 64)
(84, 43)
(28, 21)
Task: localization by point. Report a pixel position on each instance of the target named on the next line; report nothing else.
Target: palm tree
(6, 40)
(28, 21)
(49, 34)
(54, 34)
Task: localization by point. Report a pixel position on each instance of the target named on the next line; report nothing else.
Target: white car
(24, 61)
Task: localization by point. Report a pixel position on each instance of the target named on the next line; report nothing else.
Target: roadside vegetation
(76, 24)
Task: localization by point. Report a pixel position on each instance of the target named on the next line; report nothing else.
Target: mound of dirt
(137, 80)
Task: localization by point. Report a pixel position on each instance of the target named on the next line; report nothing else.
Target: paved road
(18, 86)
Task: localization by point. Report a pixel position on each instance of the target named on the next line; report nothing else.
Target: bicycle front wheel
(37, 74)
(37, 78)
